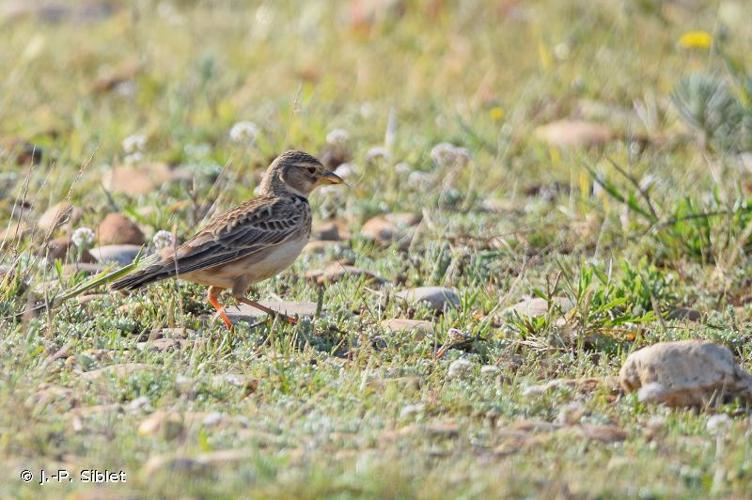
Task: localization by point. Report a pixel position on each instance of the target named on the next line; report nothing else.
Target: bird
(249, 243)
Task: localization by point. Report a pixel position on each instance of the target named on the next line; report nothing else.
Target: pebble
(438, 298)
(690, 373)
(459, 368)
(118, 254)
(117, 229)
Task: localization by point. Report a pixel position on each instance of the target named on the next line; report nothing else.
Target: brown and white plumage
(251, 242)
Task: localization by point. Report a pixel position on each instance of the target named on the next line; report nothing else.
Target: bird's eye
(311, 170)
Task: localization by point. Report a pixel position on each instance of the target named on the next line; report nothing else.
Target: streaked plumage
(250, 243)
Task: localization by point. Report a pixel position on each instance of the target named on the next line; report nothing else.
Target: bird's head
(298, 173)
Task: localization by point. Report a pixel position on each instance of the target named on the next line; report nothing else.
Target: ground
(633, 211)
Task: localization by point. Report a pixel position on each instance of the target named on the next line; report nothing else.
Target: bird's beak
(331, 178)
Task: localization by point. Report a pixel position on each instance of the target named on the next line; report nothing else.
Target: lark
(249, 243)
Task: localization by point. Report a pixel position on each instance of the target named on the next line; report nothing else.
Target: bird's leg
(212, 296)
(290, 320)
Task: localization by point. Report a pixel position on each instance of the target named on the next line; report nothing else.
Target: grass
(653, 220)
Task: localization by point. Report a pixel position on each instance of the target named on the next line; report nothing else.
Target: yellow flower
(696, 40)
(496, 113)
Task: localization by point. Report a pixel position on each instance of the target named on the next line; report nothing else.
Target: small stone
(409, 411)
(119, 371)
(139, 404)
(118, 254)
(536, 307)
(168, 425)
(320, 247)
(389, 228)
(684, 314)
(198, 463)
(330, 231)
(336, 272)
(603, 433)
(690, 373)
(490, 370)
(460, 368)
(248, 384)
(570, 414)
(57, 215)
(63, 249)
(117, 229)
(212, 419)
(419, 328)
(574, 133)
(15, 232)
(161, 345)
(244, 312)
(136, 180)
(435, 296)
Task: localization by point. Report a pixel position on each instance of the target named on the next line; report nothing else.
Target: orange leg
(290, 320)
(212, 296)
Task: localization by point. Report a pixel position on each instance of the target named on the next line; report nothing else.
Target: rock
(199, 463)
(684, 314)
(118, 254)
(435, 296)
(570, 414)
(536, 307)
(141, 403)
(574, 133)
(459, 369)
(587, 384)
(490, 370)
(62, 213)
(330, 231)
(248, 384)
(389, 228)
(167, 425)
(690, 373)
(62, 248)
(403, 325)
(409, 411)
(136, 180)
(244, 312)
(117, 229)
(603, 433)
(320, 247)
(119, 371)
(161, 345)
(14, 232)
(335, 272)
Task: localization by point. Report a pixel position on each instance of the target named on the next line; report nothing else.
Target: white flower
(445, 154)
(82, 237)
(133, 158)
(403, 168)
(163, 239)
(418, 179)
(337, 137)
(244, 132)
(345, 170)
(377, 153)
(134, 143)
(718, 423)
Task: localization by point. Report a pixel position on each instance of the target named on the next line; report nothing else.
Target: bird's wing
(256, 225)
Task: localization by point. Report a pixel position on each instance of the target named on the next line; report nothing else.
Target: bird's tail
(143, 277)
